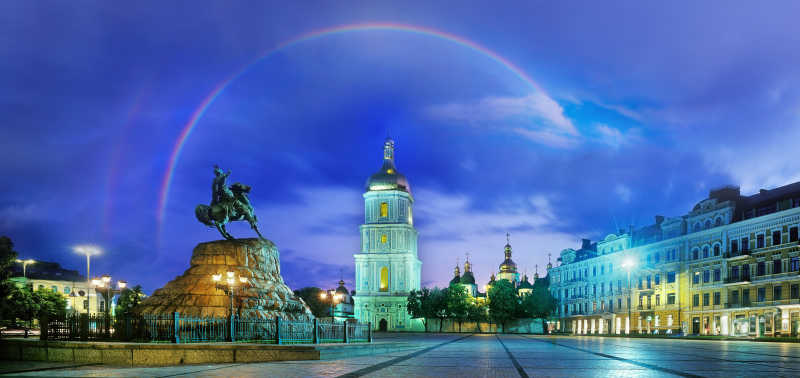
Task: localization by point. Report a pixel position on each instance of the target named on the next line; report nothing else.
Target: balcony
(737, 280)
(738, 254)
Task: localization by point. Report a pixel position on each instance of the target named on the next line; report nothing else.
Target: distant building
(344, 307)
(387, 268)
(728, 267)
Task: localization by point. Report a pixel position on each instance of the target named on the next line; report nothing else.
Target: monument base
(195, 294)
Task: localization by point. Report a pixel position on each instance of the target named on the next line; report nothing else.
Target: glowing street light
(88, 250)
(230, 285)
(25, 266)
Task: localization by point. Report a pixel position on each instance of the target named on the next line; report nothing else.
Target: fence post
(232, 328)
(369, 332)
(316, 332)
(278, 330)
(176, 327)
(44, 325)
(84, 327)
(346, 340)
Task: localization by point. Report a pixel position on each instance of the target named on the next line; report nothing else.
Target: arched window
(718, 221)
(708, 223)
(716, 249)
(695, 254)
(384, 286)
(384, 209)
(705, 252)
(697, 226)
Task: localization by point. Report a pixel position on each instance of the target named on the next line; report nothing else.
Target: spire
(536, 275)
(388, 149)
(549, 264)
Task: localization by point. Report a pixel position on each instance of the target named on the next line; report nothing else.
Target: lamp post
(229, 286)
(103, 285)
(87, 250)
(25, 266)
(628, 265)
(333, 299)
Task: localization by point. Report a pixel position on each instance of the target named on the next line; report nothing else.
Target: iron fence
(174, 328)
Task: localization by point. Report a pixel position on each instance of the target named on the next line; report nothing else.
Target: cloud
(535, 116)
(450, 227)
(623, 192)
(616, 138)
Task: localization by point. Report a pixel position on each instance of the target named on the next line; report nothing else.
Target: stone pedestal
(195, 294)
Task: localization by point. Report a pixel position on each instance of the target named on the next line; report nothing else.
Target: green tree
(476, 312)
(418, 305)
(313, 298)
(8, 258)
(50, 303)
(457, 302)
(543, 302)
(128, 300)
(438, 305)
(503, 302)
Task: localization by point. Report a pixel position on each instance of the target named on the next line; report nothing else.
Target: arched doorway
(383, 325)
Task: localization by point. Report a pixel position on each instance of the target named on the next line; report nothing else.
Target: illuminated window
(383, 238)
(384, 209)
(384, 286)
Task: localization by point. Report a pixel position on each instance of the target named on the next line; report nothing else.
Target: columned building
(387, 268)
(730, 266)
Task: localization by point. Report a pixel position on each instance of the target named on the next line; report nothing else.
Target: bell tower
(387, 267)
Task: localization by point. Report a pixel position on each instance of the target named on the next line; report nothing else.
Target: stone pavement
(510, 356)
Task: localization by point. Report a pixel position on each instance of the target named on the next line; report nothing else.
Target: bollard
(316, 331)
(176, 319)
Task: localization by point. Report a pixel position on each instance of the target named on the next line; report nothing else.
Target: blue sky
(642, 109)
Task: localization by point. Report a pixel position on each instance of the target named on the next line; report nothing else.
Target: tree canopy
(129, 299)
(313, 298)
(503, 302)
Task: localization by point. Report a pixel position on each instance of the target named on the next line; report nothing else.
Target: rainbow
(361, 27)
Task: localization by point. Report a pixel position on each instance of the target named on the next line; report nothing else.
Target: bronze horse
(237, 208)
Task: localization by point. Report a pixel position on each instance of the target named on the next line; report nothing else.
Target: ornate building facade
(387, 268)
(728, 267)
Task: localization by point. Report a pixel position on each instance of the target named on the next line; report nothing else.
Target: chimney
(586, 243)
(659, 219)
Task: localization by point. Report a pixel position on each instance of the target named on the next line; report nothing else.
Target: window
(696, 278)
(41, 287)
(594, 271)
(670, 277)
(102, 306)
(657, 257)
(794, 264)
(648, 282)
(717, 298)
(717, 275)
(705, 252)
(761, 269)
(384, 209)
(602, 269)
(734, 246)
(658, 300)
(384, 284)
(697, 226)
(776, 237)
(706, 276)
(776, 293)
(696, 300)
(746, 272)
(716, 249)
(384, 238)
(734, 297)
(745, 244)
(695, 254)
(761, 294)
(718, 221)
(619, 302)
(776, 266)
(657, 279)
(671, 298)
(794, 291)
(610, 268)
(708, 223)
(734, 273)
(745, 297)
(66, 289)
(55, 289)
(705, 299)
(760, 241)
(793, 234)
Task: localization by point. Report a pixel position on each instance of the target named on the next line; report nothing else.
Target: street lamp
(230, 285)
(103, 286)
(333, 300)
(25, 266)
(87, 250)
(628, 265)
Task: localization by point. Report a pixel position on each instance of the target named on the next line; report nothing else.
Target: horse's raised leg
(223, 231)
(227, 235)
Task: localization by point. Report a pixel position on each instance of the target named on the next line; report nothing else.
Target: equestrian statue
(228, 203)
